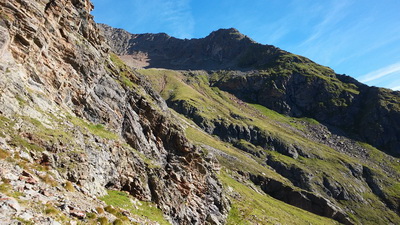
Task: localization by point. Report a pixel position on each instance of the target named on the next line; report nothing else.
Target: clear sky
(360, 38)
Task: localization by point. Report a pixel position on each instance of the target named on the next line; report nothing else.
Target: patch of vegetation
(91, 216)
(69, 186)
(48, 179)
(5, 187)
(124, 73)
(118, 222)
(100, 210)
(23, 221)
(20, 100)
(22, 142)
(102, 220)
(252, 207)
(389, 99)
(50, 210)
(374, 213)
(110, 209)
(235, 158)
(4, 154)
(95, 129)
(127, 82)
(144, 209)
(38, 136)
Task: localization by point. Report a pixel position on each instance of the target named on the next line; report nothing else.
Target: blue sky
(360, 38)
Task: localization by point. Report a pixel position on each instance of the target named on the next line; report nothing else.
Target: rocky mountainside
(284, 82)
(319, 150)
(74, 120)
(243, 133)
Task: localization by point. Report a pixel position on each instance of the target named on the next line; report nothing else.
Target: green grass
(389, 99)
(102, 220)
(145, 209)
(25, 222)
(271, 114)
(37, 136)
(5, 187)
(22, 142)
(127, 82)
(124, 73)
(50, 210)
(95, 129)
(212, 105)
(243, 161)
(69, 186)
(252, 207)
(20, 100)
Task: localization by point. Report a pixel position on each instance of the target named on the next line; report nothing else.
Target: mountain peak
(221, 49)
(228, 32)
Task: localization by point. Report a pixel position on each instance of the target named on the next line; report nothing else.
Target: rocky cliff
(75, 119)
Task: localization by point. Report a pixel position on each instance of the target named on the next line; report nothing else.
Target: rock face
(222, 49)
(288, 84)
(56, 70)
(368, 114)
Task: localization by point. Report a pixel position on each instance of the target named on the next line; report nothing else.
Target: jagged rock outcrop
(56, 69)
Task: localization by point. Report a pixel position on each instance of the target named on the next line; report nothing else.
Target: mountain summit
(222, 49)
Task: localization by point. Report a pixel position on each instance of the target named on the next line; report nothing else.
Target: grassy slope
(142, 209)
(214, 104)
(252, 207)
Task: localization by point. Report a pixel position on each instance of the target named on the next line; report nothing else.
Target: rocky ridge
(222, 49)
(84, 118)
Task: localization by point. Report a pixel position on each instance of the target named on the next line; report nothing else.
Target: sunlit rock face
(58, 84)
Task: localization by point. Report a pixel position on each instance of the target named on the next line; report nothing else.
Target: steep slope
(75, 122)
(86, 139)
(321, 165)
(284, 82)
(296, 160)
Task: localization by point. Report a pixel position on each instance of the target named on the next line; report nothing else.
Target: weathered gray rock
(57, 68)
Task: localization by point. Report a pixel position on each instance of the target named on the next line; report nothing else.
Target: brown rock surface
(55, 76)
